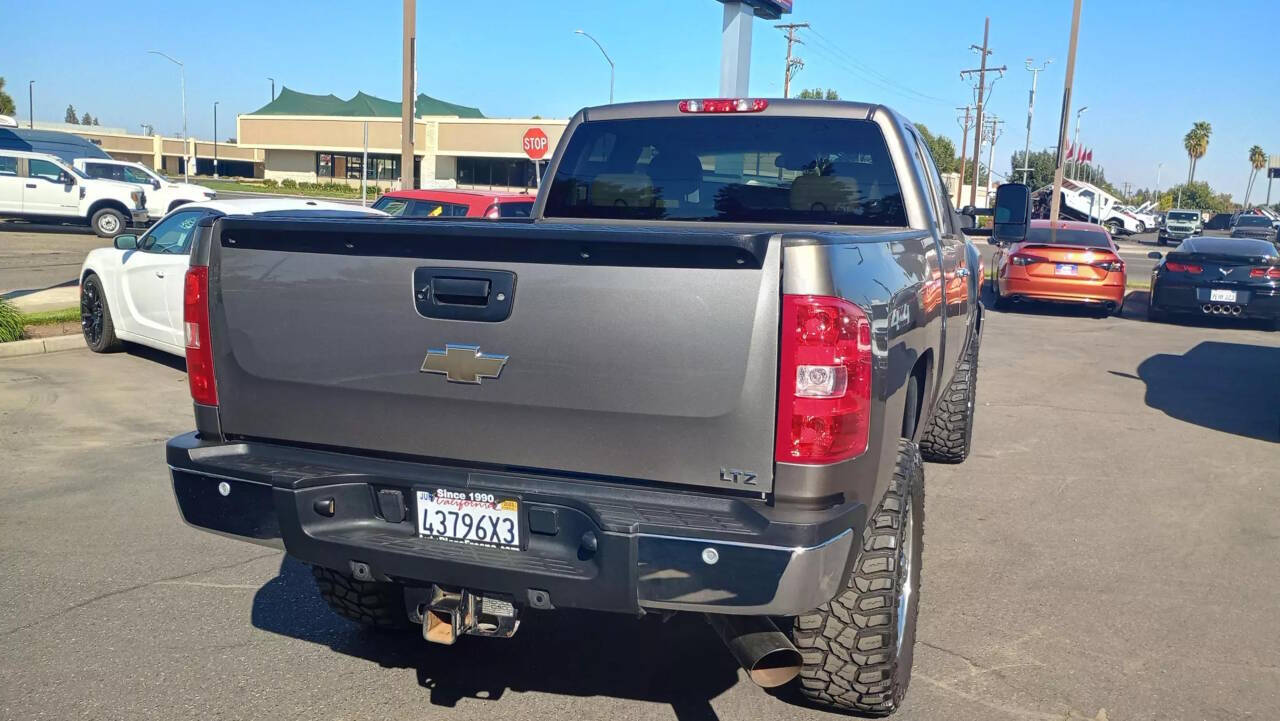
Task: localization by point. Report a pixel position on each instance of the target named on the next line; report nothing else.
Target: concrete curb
(36, 346)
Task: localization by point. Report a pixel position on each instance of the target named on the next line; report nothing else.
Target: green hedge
(10, 322)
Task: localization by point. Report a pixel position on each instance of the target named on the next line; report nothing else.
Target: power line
(793, 64)
(871, 75)
(838, 62)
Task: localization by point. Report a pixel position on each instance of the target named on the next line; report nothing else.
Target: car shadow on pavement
(1228, 387)
(572, 653)
(21, 226)
(1135, 308)
(1031, 307)
(177, 363)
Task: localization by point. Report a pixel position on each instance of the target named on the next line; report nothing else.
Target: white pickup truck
(1091, 204)
(162, 196)
(41, 187)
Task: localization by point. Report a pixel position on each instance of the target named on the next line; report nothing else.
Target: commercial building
(322, 138)
(168, 155)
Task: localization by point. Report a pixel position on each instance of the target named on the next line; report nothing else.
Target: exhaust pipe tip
(1206, 308)
(768, 656)
(1236, 310)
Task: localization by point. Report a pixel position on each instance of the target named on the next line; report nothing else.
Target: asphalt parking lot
(1107, 552)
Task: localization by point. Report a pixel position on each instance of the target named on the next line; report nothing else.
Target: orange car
(1081, 265)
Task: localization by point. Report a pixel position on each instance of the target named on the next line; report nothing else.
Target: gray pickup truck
(701, 377)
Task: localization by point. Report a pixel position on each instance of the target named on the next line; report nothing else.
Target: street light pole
(606, 57)
(1159, 167)
(1031, 106)
(31, 105)
(186, 169)
(1075, 144)
(273, 88)
(215, 139)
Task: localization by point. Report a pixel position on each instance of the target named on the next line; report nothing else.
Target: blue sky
(1147, 69)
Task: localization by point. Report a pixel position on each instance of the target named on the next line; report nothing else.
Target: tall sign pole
(1056, 200)
(735, 50)
(406, 94)
(1031, 109)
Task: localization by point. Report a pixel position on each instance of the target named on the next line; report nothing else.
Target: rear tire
(95, 317)
(1154, 314)
(107, 223)
(949, 433)
(371, 604)
(857, 648)
(1162, 240)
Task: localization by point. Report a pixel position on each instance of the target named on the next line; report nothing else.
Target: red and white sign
(535, 143)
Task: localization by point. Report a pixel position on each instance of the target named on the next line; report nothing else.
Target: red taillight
(195, 325)
(1271, 273)
(1177, 267)
(1112, 265)
(824, 380)
(1024, 259)
(724, 105)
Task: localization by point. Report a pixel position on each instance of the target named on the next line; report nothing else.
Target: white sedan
(133, 290)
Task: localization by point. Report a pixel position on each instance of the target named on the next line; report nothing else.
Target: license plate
(1066, 269)
(470, 517)
(1224, 296)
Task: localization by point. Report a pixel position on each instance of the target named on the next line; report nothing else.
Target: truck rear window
(765, 169)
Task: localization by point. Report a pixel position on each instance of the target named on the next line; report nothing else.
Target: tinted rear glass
(514, 210)
(413, 208)
(728, 168)
(1184, 216)
(1085, 238)
(1254, 220)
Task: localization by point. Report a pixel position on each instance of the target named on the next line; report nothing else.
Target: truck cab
(163, 194)
(42, 187)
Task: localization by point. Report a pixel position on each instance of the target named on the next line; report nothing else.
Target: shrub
(304, 185)
(10, 322)
(271, 183)
(288, 183)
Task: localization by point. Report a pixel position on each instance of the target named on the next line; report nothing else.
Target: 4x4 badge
(463, 363)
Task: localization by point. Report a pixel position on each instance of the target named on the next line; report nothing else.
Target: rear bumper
(1063, 291)
(650, 545)
(1179, 298)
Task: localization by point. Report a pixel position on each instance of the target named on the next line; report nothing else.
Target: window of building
(348, 165)
(490, 172)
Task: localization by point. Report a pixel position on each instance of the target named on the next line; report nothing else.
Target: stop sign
(535, 143)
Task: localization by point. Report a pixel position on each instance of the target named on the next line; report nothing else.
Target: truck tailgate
(630, 354)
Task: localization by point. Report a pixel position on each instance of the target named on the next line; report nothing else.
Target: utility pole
(1159, 167)
(1056, 201)
(982, 71)
(31, 105)
(406, 94)
(1126, 185)
(1031, 107)
(793, 64)
(994, 134)
(964, 154)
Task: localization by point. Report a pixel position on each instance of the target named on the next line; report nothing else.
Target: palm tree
(1257, 161)
(1196, 141)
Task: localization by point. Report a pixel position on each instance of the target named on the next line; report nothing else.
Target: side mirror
(967, 222)
(1012, 213)
(1155, 255)
(126, 242)
(155, 184)
(65, 178)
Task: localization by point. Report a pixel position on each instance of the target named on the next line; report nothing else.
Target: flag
(1088, 156)
(1069, 149)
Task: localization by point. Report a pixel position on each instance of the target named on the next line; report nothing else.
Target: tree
(942, 150)
(1257, 161)
(6, 103)
(1196, 141)
(71, 116)
(819, 94)
(1042, 165)
(87, 119)
(95, 121)
(1197, 195)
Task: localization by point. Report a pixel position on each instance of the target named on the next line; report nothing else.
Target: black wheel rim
(91, 313)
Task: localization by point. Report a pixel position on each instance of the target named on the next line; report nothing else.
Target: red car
(455, 203)
(1081, 265)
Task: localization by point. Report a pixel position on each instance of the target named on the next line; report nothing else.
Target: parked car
(43, 188)
(711, 384)
(1255, 226)
(1211, 276)
(1078, 264)
(1219, 221)
(1147, 220)
(1180, 224)
(163, 194)
(455, 204)
(132, 291)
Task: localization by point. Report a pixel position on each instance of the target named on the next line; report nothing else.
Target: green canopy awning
(292, 102)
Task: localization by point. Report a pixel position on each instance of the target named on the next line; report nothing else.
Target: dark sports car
(1235, 277)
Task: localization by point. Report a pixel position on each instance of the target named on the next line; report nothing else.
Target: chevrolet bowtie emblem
(463, 363)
